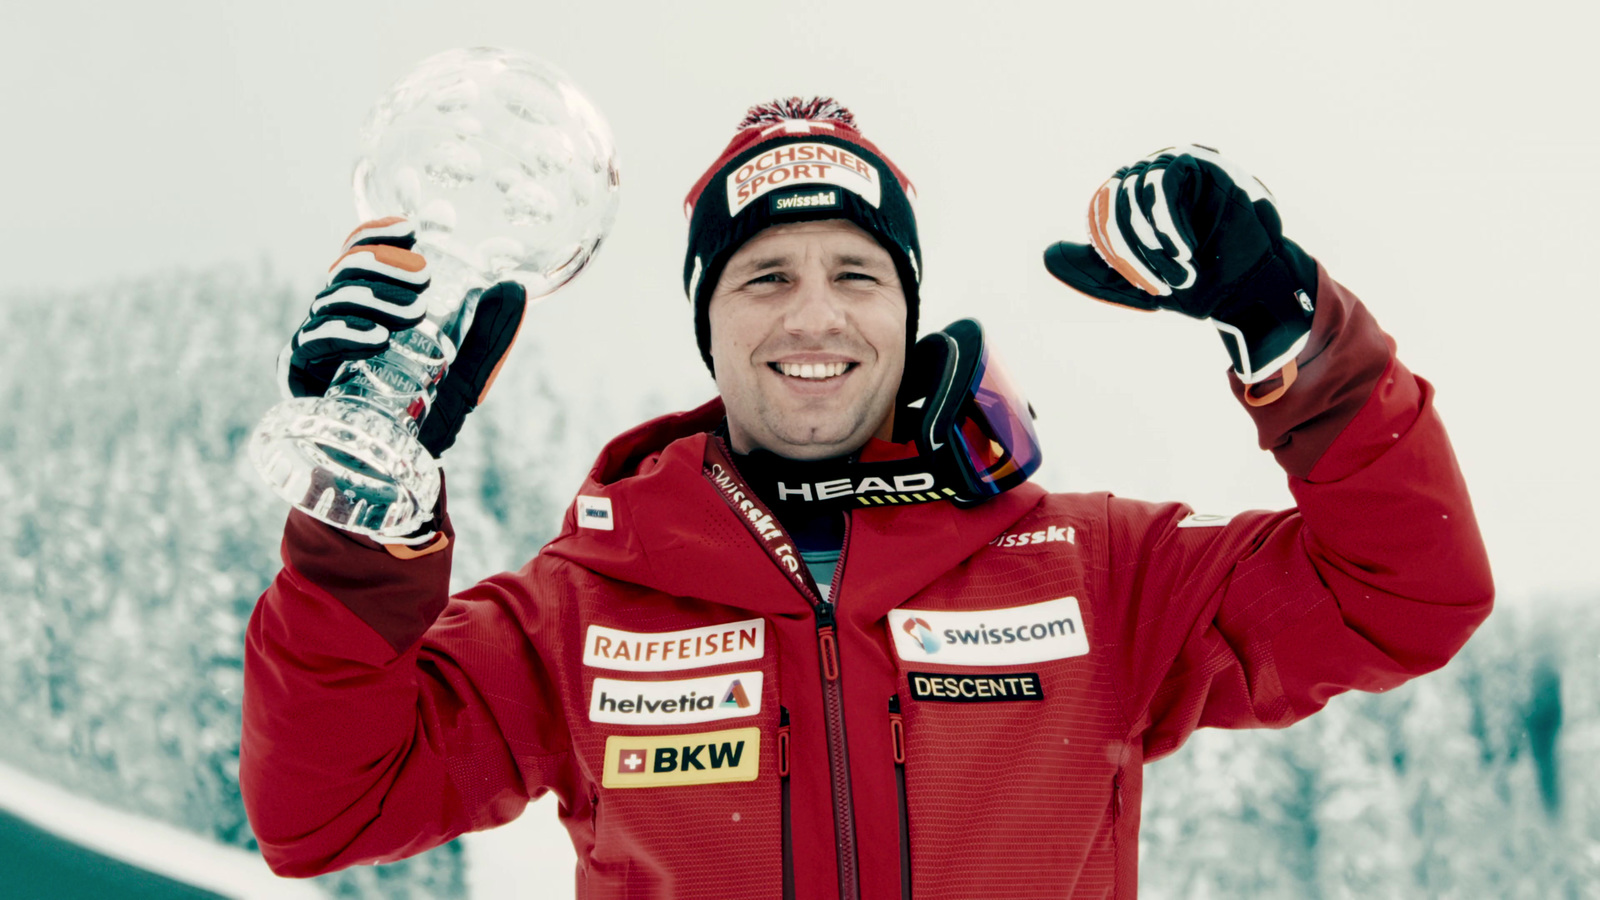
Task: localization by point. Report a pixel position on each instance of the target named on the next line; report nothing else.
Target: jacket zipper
(594, 810)
(844, 817)
(1116, 796)
(897, 732)
(783, 780)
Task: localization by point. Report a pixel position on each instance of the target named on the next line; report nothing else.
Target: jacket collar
(673, 531)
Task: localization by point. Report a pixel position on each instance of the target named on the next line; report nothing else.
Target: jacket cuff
(398, 595)
(1344, 358)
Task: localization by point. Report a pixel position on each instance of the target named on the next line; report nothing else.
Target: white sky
(1440, 160)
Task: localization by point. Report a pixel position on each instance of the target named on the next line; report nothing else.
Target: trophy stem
(351, 458)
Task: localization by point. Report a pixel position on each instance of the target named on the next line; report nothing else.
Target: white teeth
(814, 371)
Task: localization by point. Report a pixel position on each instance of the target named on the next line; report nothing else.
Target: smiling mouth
(812, 371)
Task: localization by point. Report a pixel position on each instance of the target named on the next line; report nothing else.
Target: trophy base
(348, 464)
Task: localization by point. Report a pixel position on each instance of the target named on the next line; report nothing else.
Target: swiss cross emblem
(630, 761)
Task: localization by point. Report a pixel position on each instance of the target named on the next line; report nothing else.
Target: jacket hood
(648, 514)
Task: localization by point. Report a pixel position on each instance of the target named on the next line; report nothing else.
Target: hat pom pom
(816, 109)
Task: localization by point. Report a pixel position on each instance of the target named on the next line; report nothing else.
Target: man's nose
(816, 308)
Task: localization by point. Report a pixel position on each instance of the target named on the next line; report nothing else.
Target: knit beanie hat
(796, 160)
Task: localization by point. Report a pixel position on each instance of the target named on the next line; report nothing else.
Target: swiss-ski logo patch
(675, 702)
(802, 201)
(990, 637)
(666, 651)
(639, 761)
(760, 520)
(1051, 534)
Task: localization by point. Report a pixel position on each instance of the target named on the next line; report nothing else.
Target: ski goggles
(976, 427)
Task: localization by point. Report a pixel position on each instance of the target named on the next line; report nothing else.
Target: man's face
(808, 332)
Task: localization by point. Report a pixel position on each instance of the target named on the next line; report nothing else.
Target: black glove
(375, 289)
(1187, 230)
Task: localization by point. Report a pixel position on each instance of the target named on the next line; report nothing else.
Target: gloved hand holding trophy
(504, 172)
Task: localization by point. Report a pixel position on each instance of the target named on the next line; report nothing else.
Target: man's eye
(861, 276)
(769, 278)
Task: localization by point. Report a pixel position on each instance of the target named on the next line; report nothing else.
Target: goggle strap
(856, 485)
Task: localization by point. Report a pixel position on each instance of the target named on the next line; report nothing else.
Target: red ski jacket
(969, 716)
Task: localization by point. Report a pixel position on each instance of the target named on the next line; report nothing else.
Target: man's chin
(811, 444)
(805, 452)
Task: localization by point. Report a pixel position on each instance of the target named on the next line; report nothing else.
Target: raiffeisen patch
(665, 651)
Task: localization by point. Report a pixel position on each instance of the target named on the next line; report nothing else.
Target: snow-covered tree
(1474, 781)
(137, 537)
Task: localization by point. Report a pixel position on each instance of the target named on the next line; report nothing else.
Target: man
(819, 637)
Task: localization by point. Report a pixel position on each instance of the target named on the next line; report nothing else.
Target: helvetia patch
(680, 702)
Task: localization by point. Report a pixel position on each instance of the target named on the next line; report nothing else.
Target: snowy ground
(530, 858)
(146, 844)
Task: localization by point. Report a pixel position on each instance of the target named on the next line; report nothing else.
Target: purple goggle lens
(995, 430)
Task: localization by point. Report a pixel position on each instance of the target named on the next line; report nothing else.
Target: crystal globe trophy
(508, 172)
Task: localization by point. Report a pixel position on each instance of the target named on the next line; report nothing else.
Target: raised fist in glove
(374, 290)
(1187, 230)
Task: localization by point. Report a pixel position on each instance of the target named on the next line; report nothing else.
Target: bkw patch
(636, 761)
